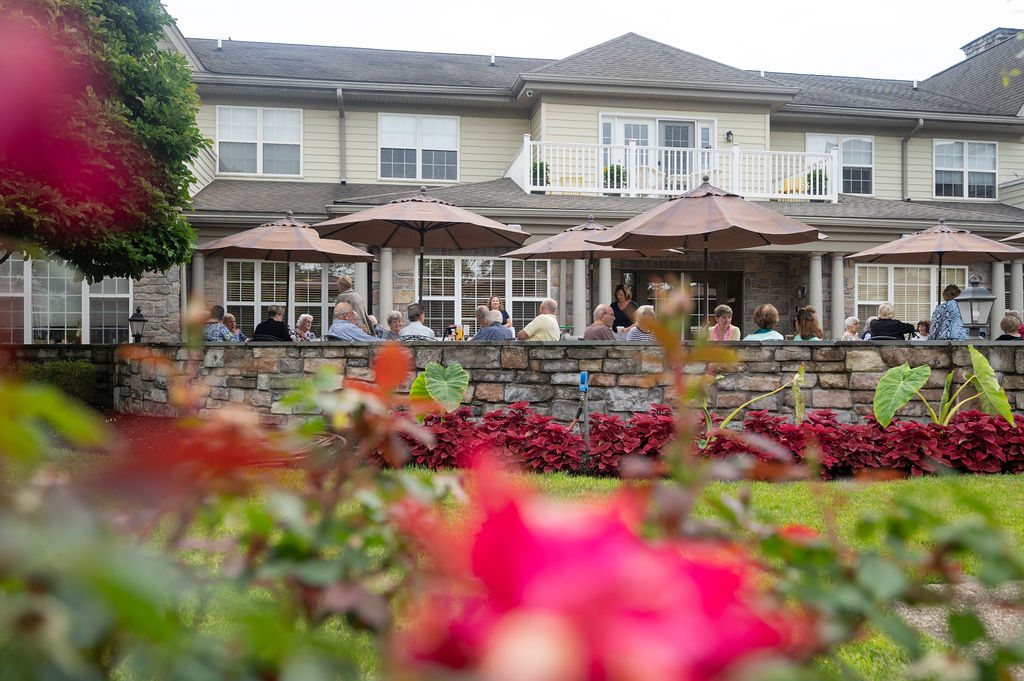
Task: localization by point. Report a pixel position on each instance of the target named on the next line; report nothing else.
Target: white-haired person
(304, 329)
(643, 330)
(852, 323)
(887, 326)
(394, 325)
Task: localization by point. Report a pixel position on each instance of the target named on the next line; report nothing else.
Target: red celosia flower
(539, 591)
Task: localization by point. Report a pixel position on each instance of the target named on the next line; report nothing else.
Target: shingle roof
(876, 93)
(311, 198)
(358, 64)
(634, 57)
(980, 78)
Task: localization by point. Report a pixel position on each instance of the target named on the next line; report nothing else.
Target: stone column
(1017, 285)
(199, 278)
(814, 287)
(838, 307)
(604, 281)
(579, 297)
(387, 281)
(999, 304)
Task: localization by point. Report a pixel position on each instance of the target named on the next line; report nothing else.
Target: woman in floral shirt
(946, 322)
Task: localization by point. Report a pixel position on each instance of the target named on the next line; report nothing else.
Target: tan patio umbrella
(711, 218)
(939, 244)
(572, 244)
(421, 222)
(287, 240)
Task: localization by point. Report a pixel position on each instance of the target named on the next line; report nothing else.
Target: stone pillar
(1017, 285)
(579, 297)
(999, 304)
(837, 310)
(182, 304)
(199, 278)
(387, 281)
(814, 287)
(604, 281)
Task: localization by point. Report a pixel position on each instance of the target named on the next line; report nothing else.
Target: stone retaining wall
(624, 377)
(101, 356)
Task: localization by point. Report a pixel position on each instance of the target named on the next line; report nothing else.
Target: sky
(906, 39)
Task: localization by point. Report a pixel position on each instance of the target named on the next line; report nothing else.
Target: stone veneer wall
(624, 378)
(101, 356)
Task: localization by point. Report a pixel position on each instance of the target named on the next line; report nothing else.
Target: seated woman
(394, 322)
(1010, 326)
(643, 329)
(946, 323)
(851, 329)
(625, 309)
(807, 326)
(723, 330)
(273, 327)
(923, 326)
(867, 328)
(766, 317)
(304, 329)
(888, 328)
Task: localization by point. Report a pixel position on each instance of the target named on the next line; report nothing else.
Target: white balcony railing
(633, 170)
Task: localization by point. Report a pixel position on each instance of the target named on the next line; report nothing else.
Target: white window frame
(933, 286)
(419, 148)
(327, 280)
(965, 170)
(467, 317)
(842, 162)
(259, 142)
(615, 118)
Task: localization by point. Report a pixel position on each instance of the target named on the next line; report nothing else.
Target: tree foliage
(94, 152)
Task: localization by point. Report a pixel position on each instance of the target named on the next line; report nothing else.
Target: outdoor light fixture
(975, 304)
(137, 324)
(728, 137)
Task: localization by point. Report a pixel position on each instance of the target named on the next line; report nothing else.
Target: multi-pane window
(419, 147)
(913, 290)
(12, 300)
(965, 169)
(109, 305)
(259, 141)
(250, 287)
(450, 299)
(856, 159)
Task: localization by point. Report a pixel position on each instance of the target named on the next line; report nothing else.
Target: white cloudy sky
(910, 39)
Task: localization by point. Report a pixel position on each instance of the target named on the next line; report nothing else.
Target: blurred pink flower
(570, 592)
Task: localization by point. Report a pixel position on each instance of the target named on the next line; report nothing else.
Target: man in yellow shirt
(544, 326)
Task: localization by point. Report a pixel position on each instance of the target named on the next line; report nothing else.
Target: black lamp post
(137, 324)
(975, 304)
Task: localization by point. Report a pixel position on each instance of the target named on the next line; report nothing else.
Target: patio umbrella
(572, 244)
(421, 222)
(711, 218)
(939, 244)
(287, 240)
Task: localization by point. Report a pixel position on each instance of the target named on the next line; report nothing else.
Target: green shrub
(75, 377)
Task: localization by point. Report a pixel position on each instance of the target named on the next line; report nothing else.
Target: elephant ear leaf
(897, 387)
(446, 385)
(991, 397)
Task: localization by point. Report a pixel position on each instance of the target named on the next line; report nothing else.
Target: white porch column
(199, 279)
(838, 308)
(999, 305)
(814, 287)
(360, 283)
(387, 281)
(579, 297)
(1017, 285)
(604, 281)
(563, 279)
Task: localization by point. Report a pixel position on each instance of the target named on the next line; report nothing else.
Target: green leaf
(945, 403)
(965, 627)
(882, 579)
(992, 399)
(897, 387)
(445, 385)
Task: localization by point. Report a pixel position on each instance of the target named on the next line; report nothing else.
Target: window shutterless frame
(419, 148)
(822, 140)
(924, 299)
(942, 164)
(257, 139)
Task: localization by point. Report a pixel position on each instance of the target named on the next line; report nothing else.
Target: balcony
(633, 170)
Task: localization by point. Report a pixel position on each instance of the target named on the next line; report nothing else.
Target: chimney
(220, 45)
(990, 39)
(915, 84)
(492, 61)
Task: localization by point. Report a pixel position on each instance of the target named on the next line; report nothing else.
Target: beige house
(608, 132)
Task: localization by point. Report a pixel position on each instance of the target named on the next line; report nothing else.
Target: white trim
(933, 286)
(259, 142)
(419, 149)
(840, 138)
(965, 170)
(614, 117)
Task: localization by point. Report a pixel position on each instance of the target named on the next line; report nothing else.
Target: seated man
(344, 325)
(601, 329)
(416, 327)
(494, 331)
(216, 331)
(481, 318)
(544, 326)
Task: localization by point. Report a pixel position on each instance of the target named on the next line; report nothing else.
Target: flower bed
(972, 443)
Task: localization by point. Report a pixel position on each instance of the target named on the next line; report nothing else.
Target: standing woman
(624, 309)
(723, 329)
(495, 304)
(946, 321)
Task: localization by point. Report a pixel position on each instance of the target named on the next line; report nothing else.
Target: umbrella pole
(707, 286)
(940, 277)
(590, 284)
(419, 290)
